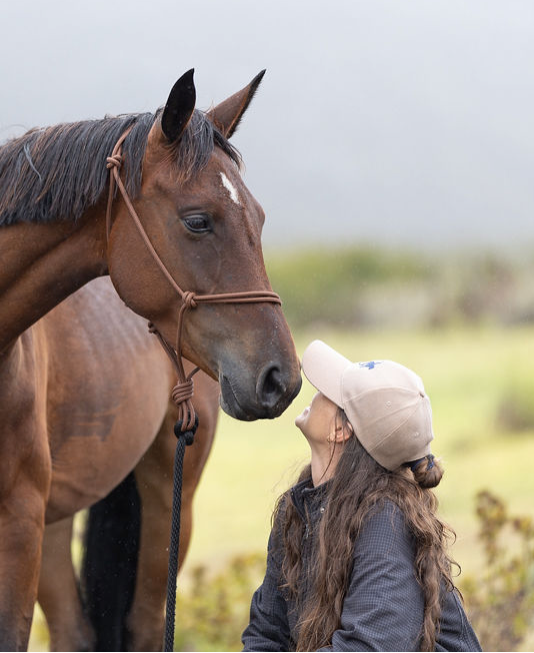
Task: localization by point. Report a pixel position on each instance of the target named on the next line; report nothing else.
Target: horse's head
(206, 228)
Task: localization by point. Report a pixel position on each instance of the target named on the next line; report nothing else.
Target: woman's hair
(360, 484)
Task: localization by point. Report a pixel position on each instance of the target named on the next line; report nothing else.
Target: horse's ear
(179, 107)
(228, 114)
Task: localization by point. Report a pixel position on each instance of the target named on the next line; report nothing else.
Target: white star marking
(230, 188)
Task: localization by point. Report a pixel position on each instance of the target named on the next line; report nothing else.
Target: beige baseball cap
(384, 401)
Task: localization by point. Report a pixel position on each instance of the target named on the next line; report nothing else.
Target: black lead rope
(184, 438)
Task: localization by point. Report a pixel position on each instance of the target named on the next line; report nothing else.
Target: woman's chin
(301, 419)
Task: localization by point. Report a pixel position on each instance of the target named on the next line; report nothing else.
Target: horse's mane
(57, 173)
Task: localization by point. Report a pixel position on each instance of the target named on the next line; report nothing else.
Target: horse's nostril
(270, 386)
(272, 382)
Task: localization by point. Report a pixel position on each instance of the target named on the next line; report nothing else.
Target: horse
(128, 531)
(195, 218)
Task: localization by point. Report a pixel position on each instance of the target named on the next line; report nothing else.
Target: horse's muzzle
(273, 392)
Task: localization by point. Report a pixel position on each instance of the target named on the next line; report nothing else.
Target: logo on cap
(370, 364)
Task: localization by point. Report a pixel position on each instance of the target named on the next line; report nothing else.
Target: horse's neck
(41, 264)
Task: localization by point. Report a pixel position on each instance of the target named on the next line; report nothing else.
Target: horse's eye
(198, 224)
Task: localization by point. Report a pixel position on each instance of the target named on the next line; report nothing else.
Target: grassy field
(467, 374)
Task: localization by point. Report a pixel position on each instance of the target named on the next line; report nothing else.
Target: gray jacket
(383, 607)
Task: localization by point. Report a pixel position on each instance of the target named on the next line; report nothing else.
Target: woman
(357, 558)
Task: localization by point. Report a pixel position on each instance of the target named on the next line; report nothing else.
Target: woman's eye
(197, 224)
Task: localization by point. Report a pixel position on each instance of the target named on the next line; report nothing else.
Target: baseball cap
(384, 401)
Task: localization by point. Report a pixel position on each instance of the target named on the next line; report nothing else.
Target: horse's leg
(25, 474)
(154, 476)
(58, 592)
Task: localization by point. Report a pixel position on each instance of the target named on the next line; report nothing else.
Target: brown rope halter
(183, 390)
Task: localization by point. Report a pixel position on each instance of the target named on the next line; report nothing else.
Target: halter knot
(114, 161)
(182, 392)
(189, 300)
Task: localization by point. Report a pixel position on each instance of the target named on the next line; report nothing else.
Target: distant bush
(213, 613)
(368, 286)
(500, 601)
(333, 286)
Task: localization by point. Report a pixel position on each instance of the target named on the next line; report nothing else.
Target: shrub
(354, 286)
(213, 612)
(500, 601)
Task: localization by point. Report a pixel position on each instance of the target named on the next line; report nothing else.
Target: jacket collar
(308, 498)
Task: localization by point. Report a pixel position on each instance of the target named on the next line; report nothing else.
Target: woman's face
(317, 421)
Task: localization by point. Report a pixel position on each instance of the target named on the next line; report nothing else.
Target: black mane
(57, 173)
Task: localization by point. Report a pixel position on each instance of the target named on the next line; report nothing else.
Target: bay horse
(183, 177)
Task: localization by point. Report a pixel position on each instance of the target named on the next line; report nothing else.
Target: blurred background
(391, 147)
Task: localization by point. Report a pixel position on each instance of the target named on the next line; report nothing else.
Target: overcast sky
(401, 122)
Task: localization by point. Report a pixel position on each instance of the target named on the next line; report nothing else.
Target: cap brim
(324, 368)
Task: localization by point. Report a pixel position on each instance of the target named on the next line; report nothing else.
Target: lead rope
(182, 392)
(185, 438)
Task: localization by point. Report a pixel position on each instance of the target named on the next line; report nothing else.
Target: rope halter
(182, 392)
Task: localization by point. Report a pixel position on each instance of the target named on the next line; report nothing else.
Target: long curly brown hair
(359, 484)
